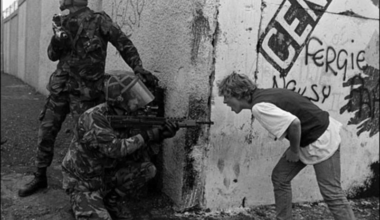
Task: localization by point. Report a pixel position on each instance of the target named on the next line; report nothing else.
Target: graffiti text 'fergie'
(288, 31)
(332, 58)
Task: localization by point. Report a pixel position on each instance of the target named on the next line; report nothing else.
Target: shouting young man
(312, 134)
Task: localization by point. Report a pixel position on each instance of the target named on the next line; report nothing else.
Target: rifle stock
(120, 122)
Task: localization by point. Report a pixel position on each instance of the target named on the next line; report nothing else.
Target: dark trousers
(90, 204)
(51, 118)
(328, 178)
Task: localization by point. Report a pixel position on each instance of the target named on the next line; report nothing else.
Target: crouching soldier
(103, 165)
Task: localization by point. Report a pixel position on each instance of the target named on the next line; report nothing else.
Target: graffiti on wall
(288, 31)
(333, 60)
(319, 93)
(127, 14)
(199, 28)
(363, 99)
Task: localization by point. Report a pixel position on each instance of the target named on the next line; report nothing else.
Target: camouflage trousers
(53, 115)
(124, 182)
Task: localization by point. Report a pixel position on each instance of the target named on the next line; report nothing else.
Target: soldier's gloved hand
(169, 129)
(152, 135)
(57, 43)
(147, 77)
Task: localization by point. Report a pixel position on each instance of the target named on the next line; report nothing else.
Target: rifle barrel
(205, 122)
(130, 121)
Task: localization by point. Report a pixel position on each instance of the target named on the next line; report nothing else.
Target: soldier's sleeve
(113, 33)
(54, 50)
(102, 137)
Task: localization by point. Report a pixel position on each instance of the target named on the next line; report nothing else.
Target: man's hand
(294, 136)
(56, 43)
(147, 77)
(291, 156)
(169, 130)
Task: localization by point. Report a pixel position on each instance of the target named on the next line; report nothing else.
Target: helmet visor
(137, 95)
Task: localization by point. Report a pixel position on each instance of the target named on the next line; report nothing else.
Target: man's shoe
(112, 202)
(39, 182)
(120, 213)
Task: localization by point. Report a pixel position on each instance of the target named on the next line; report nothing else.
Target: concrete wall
(13, 43)
(237, 162)
(33, 29)
(332, 58)
(2, 38)
(165, 33)
(6, 46)
(21, 38)
(46, 66)
(10, 43)
(324, 59)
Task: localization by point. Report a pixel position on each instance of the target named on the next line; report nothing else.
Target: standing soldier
(80, 44)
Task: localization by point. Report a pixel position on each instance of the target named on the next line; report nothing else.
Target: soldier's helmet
(64, 4)
(127, 91)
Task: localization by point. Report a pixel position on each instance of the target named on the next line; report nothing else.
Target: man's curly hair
(236, 85)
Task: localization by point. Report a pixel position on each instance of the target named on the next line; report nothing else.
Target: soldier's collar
(78, 12)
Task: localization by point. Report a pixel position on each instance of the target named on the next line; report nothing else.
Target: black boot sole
(25, 194)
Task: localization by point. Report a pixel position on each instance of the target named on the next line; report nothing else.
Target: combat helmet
(64, 4)
(127, 91)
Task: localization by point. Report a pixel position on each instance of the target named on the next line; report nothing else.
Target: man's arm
(294, 135)
(55, 49)
(120, 41)
(99, 134)
(127, 50)
(280, 123)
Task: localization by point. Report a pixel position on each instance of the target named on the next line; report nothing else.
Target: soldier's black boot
(113, 205)
(39, 182)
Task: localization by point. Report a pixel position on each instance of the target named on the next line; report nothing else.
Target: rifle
(145, 122)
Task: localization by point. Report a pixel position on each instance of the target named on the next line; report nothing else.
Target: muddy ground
(20, 107)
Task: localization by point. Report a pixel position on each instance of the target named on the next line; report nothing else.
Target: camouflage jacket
(96, 150)
(82, 56)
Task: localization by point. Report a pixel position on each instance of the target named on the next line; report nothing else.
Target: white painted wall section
(322, 57)
(21, 41)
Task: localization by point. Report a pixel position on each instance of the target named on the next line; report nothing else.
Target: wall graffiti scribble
(363, 99)
(199, 28)
(127, 14)
(333, 59)
(317, 92)
(287, 32)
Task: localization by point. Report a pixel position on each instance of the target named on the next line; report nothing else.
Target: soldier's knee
(55, 109)
(59, 103)
(88, 205)
(50, 118)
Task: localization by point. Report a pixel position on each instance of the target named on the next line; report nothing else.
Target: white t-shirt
(277, 121)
